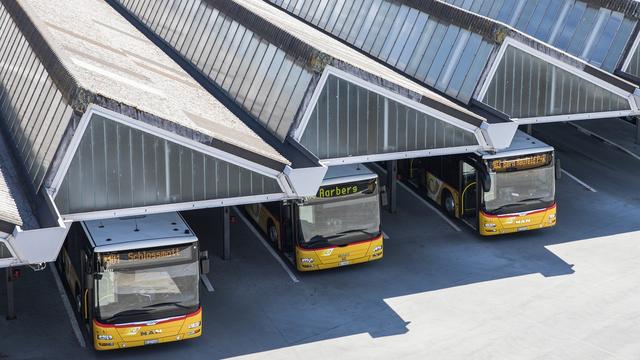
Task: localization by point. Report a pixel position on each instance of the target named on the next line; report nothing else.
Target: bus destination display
(520, 163)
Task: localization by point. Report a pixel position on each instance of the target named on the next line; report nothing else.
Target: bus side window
(287, 223)
(433, 164)
(450, 171)
(74, 245)
(468, 173)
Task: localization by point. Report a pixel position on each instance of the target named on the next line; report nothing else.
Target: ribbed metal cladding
(525, 86)
(254, 70)
(350, 120)
(633, 68)
(4, 252)
(439, 54)
(117, 167)
(595, 31)
(32, 108)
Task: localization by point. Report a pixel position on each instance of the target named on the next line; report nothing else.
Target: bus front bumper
(338, 256)
(120, 336)
(511, 223)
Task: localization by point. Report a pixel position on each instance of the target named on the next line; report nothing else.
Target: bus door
(86, 290)
(288, 226)
(469, 195)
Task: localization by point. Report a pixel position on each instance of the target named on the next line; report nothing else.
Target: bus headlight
(552, 216)
(489, 225)
(105, 337)
(377, 248)
(306, 260)
(194, 325)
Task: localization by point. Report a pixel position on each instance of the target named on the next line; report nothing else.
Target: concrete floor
(571, 292)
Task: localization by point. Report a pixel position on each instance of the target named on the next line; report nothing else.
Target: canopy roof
(107, 124)
(104, 60)
(286, 74)
(458, 53)
(603, 33)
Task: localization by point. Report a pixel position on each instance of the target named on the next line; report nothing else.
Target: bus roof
(522, 144)
(137, 232)
(347, 173)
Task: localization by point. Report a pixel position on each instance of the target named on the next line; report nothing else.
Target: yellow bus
(134, 280)
(495, 193)
(337, 227)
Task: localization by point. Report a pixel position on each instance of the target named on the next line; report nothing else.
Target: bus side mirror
(485, 178)
(204, 262)
(88, 281)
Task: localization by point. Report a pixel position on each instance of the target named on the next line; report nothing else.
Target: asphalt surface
(570, 292)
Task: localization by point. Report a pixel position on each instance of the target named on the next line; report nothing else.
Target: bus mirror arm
(204, 262)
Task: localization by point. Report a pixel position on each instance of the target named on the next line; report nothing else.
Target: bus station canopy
(473, 59)
(306, 87)
(602, 33)
(108, 125)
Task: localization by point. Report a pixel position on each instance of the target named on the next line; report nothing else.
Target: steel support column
(11, 311)
(226, 234)
(392, 185)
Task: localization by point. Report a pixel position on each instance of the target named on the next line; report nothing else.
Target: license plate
(343, 263)
(151, 342)
(523, 228)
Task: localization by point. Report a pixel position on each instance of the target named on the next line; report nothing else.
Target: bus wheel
(448, 204)
(78, 299)
(273, 233)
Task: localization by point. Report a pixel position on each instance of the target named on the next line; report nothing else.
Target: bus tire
(448, 204)
(272, 233)
(78, 299)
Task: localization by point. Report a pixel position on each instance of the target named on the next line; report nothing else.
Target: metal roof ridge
(80, 95)
(334, 46)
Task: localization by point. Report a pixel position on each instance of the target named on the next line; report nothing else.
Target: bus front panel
(109, 337)
(336, 256)
(510, 223)
(521, 196)
(340, 226)
(147, 296)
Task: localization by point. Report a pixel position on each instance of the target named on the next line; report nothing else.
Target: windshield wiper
(169, 303)
(504, 207)
(128, 312)
(532, 199)
(364, 231)
(317, 239)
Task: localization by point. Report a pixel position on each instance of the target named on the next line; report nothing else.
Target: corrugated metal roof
(448, 55)
(266, 61)
(14, 204)
(448, 48)
(595, 31)
(338, 50)
(96, 56)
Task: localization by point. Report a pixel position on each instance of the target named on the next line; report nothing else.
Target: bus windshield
(339, 222)
(522, 190)
(147, 284)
